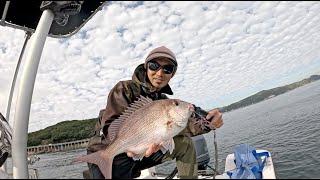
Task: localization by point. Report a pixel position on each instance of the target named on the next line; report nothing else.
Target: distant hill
(81, 129)
(266, 94)
(65, 131)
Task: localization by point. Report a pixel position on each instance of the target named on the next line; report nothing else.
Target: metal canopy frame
(25, 15)
(41, 22)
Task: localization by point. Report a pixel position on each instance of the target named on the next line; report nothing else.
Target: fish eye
(176, 103)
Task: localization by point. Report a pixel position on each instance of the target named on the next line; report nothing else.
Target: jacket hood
(140, 76)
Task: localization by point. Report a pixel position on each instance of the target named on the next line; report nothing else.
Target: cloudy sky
(226, 51)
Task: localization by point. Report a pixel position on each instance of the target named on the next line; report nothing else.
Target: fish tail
(103, 162)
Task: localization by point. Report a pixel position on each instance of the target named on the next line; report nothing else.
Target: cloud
(226, 51)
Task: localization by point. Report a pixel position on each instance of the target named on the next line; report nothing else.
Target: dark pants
(124, 167)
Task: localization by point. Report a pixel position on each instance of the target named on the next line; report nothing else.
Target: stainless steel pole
(21, 121)
(28, 34)
(5, 12)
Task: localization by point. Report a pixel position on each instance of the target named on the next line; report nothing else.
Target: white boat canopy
(70, 16)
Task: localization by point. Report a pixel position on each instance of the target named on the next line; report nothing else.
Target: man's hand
(217, 121)
(152, 149)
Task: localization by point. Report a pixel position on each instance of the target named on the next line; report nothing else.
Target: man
(150, 80)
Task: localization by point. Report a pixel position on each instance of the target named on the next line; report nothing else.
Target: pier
(58, 147)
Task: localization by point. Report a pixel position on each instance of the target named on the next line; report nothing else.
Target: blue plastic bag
(248, 163)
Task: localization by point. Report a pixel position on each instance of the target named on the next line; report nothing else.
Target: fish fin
(167, 145)
(104, 163)
(117, 123)
(138, 157)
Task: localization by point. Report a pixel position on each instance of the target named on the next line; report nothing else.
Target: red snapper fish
(143, 123)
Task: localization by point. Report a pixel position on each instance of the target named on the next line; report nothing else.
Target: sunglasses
(167, 69)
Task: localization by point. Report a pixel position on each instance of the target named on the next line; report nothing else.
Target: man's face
(159, 78)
